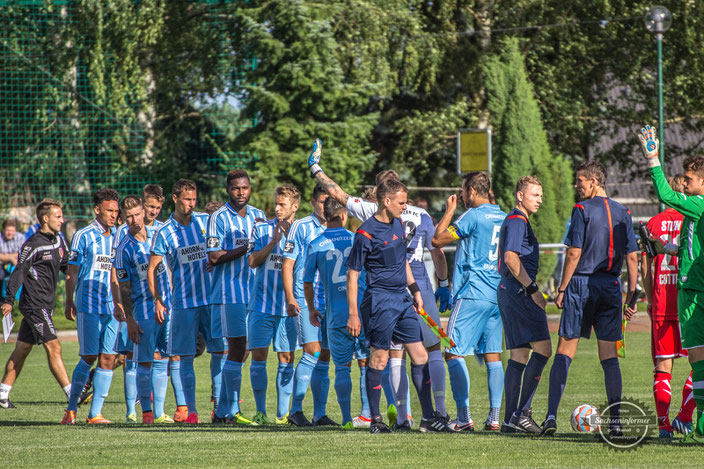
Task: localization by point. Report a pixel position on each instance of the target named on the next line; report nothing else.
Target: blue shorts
(154, 338)
(229, 320)
(476, 328)
(344, 347)
(262, 328)
(430, 305)
(123, 344)
(307, 332)
(97, 334)
(389, 316)
(183, 331)
(524, 321)
(592, 301)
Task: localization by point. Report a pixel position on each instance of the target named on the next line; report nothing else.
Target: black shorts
(36, 327)
(389, 317)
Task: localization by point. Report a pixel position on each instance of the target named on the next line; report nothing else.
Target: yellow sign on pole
(473, 150)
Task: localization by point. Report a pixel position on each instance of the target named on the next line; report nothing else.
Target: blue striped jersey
(184, 250)
(476, 274)
(301, 233)
(92, 253)
(327, 255)
(268, 291)
(227, 230)
(123, 229)
(31, 230)
(131, 265)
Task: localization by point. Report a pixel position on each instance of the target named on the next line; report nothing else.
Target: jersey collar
(97, 226)
(248, 209)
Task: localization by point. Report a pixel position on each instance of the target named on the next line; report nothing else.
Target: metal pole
(661, 123)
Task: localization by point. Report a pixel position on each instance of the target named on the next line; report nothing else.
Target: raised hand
(314, 158)
(649, 143)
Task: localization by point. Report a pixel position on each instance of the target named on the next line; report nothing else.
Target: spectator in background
(10, 243)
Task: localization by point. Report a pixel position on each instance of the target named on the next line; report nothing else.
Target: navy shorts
(592, 301)
(389, 316)
(524, 321)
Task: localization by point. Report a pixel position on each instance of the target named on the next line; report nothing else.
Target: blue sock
(101, 387)
(130, 385)
(217, 361)
(531, 380)
(188, 379)
(374, 378)
(420, 374)
(558, 380)
(160, 382)
(512, 387)
(175, 372)
(320, 385)
(302, 377)
(343, 389)
(386, 384)
(144, 387)
(612, 380)
(459, 382)
(363, 391)
(258, 378)
(231, 384)
(495, 381)
(78, 381)
(284, 388)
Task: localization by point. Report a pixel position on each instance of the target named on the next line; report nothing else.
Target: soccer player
(660, 284)
(600, 238)
(327, 255)
(181, 240)
(88, 277)
(267, 320)
(135, 304)
(313, 367)
(690, 282)
(522, 308)
(40, 259)
(229, 229)
(387, 309)
(419, 230)
(475, 324)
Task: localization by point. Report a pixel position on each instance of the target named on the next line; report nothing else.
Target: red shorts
(665, 339)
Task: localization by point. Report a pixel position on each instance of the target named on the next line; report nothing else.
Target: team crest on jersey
(213, 243)
(121, 274)
(288, 247)
(113, 251)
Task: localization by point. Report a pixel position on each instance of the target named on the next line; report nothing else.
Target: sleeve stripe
(519, 216)
(364, 233)
(579, 206)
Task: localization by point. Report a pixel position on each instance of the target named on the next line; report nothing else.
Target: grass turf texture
(32, 437)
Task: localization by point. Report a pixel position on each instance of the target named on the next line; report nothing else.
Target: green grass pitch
(31, 435)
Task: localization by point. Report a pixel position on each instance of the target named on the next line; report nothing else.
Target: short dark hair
(695, 164)
(236, 174)
(288, 191)
(593, 169)
(382, 176)
(183, 185)
(9, 222)
(212, 206)
(319, 190)
(388, 187)
(155, 191)
(333, 210)
(44, 207)
(478, 181)
(525, 181)
(102, 195)
(129, 202)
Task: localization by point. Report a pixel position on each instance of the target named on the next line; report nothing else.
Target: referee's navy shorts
(389, 316)
(592, 301)
(524, 321)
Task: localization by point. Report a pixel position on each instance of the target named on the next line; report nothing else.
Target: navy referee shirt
(517, 236)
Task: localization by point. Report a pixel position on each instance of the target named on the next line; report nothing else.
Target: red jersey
(664, 269)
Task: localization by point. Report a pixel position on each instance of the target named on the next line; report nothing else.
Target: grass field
(31, 435)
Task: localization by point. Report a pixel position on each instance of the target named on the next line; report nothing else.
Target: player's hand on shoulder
(354, 326)
(292, 309)
(315, 317)
(539, 299)
(6, 309)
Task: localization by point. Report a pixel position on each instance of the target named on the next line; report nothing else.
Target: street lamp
(657, 21)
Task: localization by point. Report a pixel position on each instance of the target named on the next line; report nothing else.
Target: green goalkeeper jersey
(691, 264)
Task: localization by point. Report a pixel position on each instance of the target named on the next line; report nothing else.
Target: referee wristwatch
(530, 289)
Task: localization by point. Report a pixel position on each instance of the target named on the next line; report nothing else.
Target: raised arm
(317, 172)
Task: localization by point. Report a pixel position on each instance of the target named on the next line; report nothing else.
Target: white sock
(436, 366)
(67, 390)
(399, 385)
(5, 391)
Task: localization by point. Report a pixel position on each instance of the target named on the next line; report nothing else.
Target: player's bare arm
(118, 311)
(71, 277)
(257, 258)
(571, 260)
(153, 284)
(316, 172)
(442, 236)
(514, 264)
(413, 287)
(632, 268)
(292, 307)
(224, 256)
(309, 292)
(354, 325)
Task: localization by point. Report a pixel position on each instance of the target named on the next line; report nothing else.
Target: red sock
(688, 403)
(663, 395)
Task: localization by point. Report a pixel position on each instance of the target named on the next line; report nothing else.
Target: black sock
(558, 381)
(512, 387)
(373, 386)
(613, 383)
(420, 375)
(531, 379)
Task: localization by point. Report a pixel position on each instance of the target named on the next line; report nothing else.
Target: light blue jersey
(131, 264)
(327, 254)
(92, 253)
(184, 250)
(227, 230)
(476, 274)
(31, 230)
(301, 233)
(268, 291)
(123, 229)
